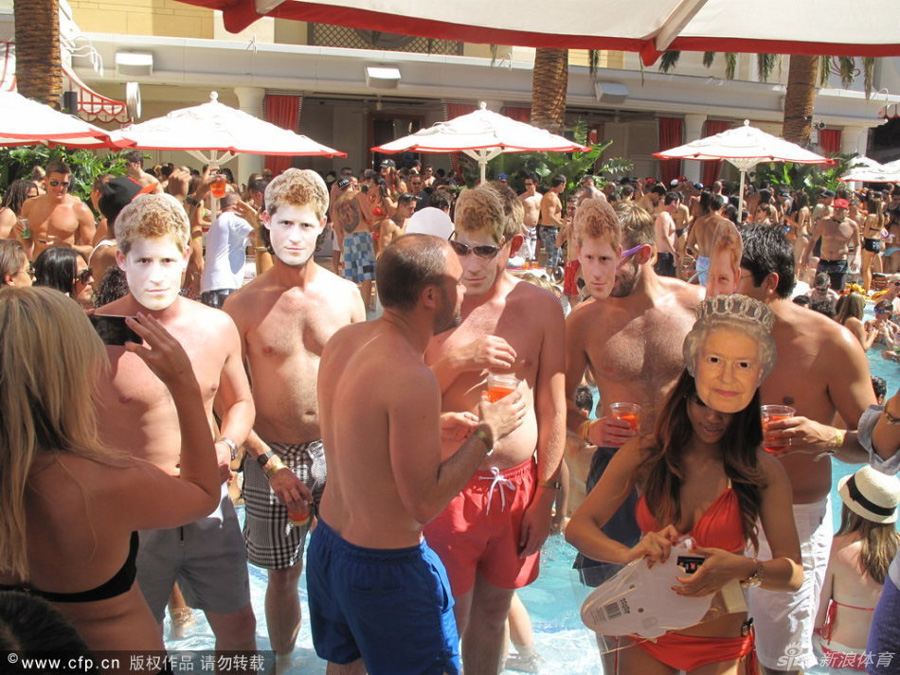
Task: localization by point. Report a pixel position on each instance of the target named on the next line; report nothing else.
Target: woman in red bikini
(861, 553)
(703, 474)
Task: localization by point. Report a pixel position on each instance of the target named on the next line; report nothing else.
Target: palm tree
(805, 73)
(38, 62)
(549, 85)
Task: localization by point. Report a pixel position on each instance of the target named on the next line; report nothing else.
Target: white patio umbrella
(648, 27)
(482, 135)
(744, 147)
(865, 170)
(27, 122)
(206, 130)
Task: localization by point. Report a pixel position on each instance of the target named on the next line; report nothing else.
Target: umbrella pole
(741, 195)
(482, 164)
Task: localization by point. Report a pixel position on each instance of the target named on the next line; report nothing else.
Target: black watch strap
(264, 458)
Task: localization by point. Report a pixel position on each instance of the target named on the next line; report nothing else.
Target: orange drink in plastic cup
(299, 517)
(771, 413)
(627, 412)
(217, 189)
(499, 386)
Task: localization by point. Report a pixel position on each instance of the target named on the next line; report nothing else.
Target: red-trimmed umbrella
(482, 135)
(744, 147)
(870, 28)
(27, 122)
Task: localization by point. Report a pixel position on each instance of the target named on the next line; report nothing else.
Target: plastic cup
(771, 413)
(499, 386)
(627, 412)
(299, 517)
(26, 228)
(217, 189)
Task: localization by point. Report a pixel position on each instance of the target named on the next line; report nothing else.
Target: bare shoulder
(206, 318)
(688, 296)
(331, 282)
(542, 304)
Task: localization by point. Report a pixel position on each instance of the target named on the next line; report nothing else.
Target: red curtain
(711, 168)
(457, 109)
(518, 114)
(830, 141)
(283, 111)
(670, 136)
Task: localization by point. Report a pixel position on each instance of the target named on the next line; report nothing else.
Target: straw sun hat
(871, 494)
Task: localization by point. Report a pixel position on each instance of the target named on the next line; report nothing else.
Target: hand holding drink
(627, 412)
(297, 517)
(499, 386)
(217, 188)
(773, 413)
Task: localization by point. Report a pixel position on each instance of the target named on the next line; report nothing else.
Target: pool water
(565, 646)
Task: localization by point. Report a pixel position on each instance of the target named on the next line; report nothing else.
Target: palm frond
(494, 51)
(765, 65)
(730, 65)
(846, 68)
(593, 61)
(868, 66)
(824, 70)
(708, 58)
(668, 60)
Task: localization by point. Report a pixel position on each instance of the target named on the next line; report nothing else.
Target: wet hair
(112, 286)
(12, 259)
(637, 224)
(878, 543)
(134, 156)
(851, 304)
(824, 307)
(440, 199)
(406, 267)
(596, 219)
(152, 216)
(32, 627)
(297, 187)
(17, 194)
(672, 197)
(57, 167)
(662, 473)
(257, 185)
(658, 190)
(56, 267)
(822, 279)
(802, 300)
(879, 386)
(50, 357)
(558, 180)
(481, 210)
(767, 251)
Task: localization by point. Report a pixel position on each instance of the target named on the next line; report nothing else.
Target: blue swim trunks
(359, 257)
(391, 607)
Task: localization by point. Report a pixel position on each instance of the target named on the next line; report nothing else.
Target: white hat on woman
(871, 494)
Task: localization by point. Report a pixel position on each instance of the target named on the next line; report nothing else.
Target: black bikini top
(121, 582)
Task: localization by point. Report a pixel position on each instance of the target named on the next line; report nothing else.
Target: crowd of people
(375, 437)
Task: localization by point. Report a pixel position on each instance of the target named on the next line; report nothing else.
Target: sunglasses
(84, 275)
(57, 183)
(485, 251)
(630, 252)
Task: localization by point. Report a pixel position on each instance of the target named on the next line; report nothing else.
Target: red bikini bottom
(688, 652)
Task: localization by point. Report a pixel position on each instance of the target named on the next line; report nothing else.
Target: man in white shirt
(226, 244)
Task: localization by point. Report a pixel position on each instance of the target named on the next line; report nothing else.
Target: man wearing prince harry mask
(206, 557)
(284, 318)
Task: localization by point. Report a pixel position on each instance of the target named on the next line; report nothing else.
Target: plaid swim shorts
(271, 542)
(359, 257)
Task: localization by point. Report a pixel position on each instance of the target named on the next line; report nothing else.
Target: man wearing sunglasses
(630, 336)
(507, 327)
(58, 218)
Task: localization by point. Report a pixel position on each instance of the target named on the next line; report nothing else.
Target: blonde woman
(70, 508)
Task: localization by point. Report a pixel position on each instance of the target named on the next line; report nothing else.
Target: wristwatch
(264, 458)
(232, 446)
(191, 201)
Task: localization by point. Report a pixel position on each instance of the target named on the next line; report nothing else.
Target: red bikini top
(720, 526)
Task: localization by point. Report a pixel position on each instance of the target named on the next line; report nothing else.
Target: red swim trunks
(570, 277)
(480, 530)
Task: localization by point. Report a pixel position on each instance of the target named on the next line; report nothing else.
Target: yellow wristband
(585, 430)
(273, 466)
(838, 438)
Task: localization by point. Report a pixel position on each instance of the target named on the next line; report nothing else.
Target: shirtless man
(134, 169)
(492, 547)
(57, 218)
(551, 220)
(839, 235)
(531, 202)
(207, 557)
(652, 201)
(664, 226)
(284, 318)
(630, 337)
(821, 371)
(378, 595)
(395, 227)
(702, 231)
